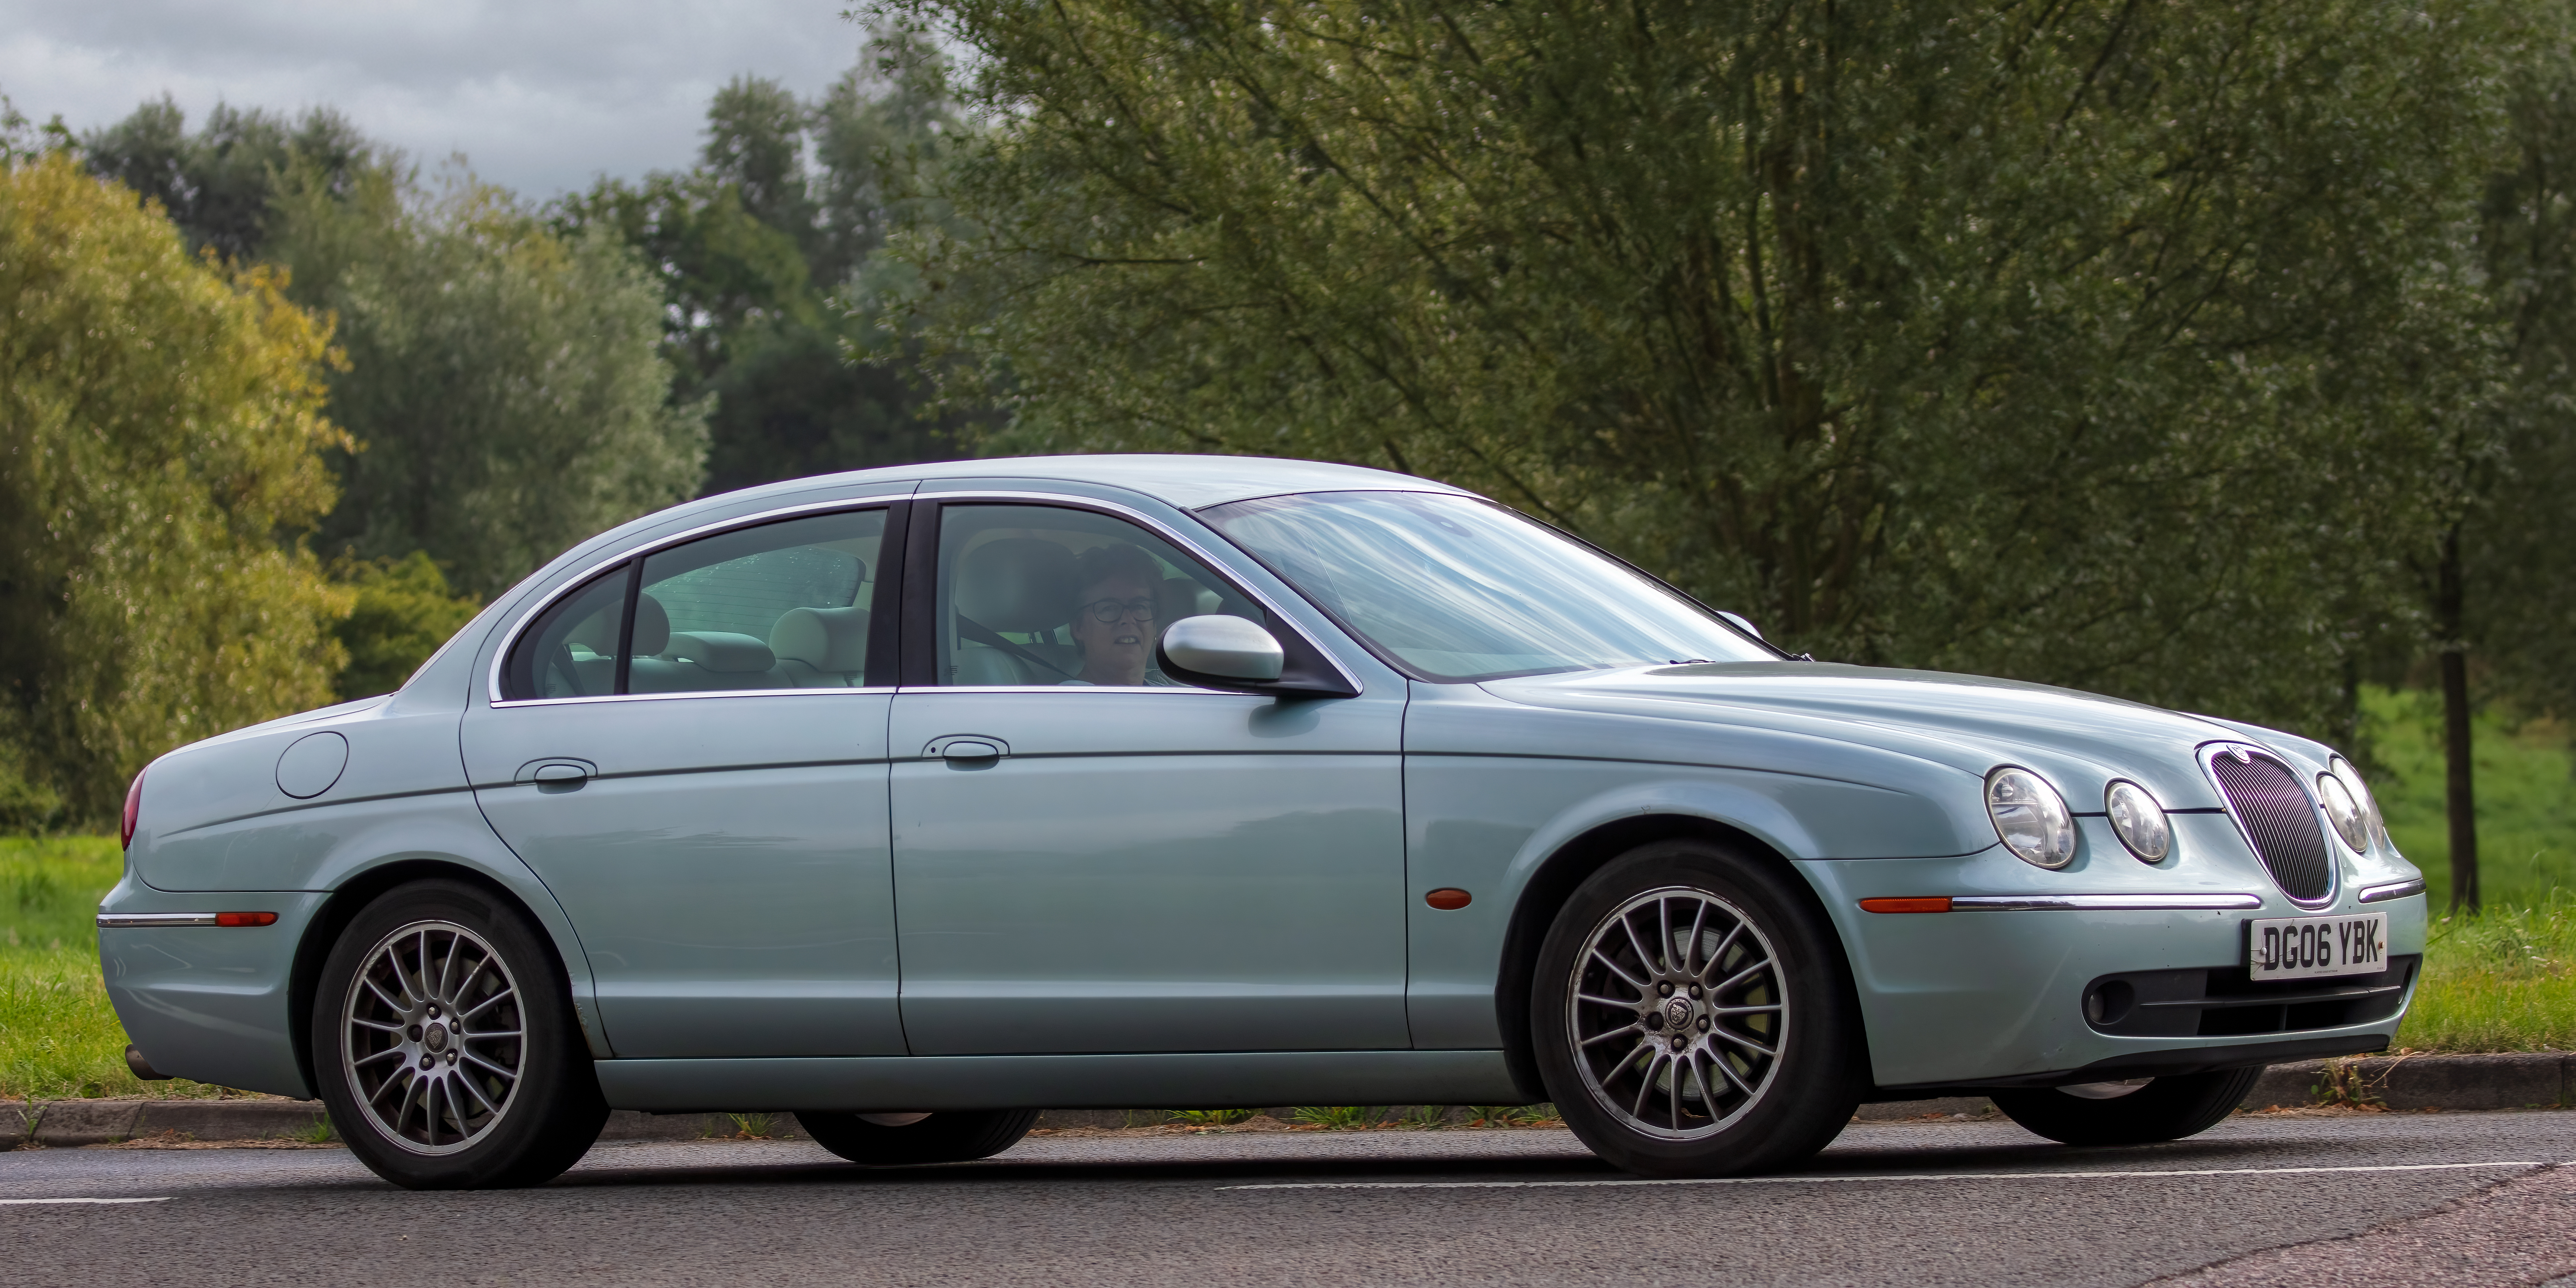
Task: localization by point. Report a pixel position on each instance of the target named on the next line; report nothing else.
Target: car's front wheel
(446, 1047)
(1691, 1015)
(2135, 1112)
(894, 1140)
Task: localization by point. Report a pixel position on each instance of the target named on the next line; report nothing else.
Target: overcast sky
(540, 95)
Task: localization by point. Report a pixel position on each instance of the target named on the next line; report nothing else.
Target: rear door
(691, 753)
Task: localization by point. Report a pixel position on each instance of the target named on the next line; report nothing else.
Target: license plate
(2316, 947)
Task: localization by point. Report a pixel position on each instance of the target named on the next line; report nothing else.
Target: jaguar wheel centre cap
(1677, 1013)
(435, 1038)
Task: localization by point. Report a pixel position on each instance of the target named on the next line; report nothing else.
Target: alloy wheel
(435, 1037)
(1678, 1013)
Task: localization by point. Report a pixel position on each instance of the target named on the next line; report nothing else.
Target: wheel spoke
(493, 1036)
(1645, 960)
(1599, 1038)
(365, 1060)
(511, 1074)
(1742, 975)
(479, 1007)
(385, 997)
(371, 1024)
(1744, 1010)
(447, 969)
(1740, 1040)
(1664, 930)
(1646, 1083)
(479, 1097)
(1675, 1098)
(1707, 1099)
(1717, 955)
(1599, 1000)
(1690, 950)
(1604, 958)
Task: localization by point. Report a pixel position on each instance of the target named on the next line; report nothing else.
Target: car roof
(1186, 482)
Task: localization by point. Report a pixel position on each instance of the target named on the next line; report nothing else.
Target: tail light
(133, 805)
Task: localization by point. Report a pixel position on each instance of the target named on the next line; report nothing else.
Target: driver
(1114, 621)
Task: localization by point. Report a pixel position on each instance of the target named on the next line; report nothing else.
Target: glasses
(1108, 611)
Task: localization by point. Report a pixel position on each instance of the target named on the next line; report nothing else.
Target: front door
(693, 760)
(1090, 858)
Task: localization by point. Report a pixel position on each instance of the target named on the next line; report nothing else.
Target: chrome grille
(2279, 821)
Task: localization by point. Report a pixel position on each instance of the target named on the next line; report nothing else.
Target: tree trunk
(2460, 780)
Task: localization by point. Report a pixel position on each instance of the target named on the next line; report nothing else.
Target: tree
(768, 266)
(2054, 342)
(163, 431)
(402, 612)
(503, 383)
(219, 184)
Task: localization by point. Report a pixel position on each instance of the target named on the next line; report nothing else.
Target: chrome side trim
(2210, 751)
(2105, 902)
(510, 636)
(131, 920)
(880, 690)
(2392, 890)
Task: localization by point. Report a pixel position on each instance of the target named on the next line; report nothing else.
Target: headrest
(1179, 597)
(722, 651)
(826, 639)
(1017, 584)
(652, 626)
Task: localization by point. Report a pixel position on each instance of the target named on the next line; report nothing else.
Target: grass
(2499, 982)
(2526, 797)
(59, 1037)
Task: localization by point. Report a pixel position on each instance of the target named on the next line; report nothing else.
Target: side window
(1043, 595)
(571, 652)
(780, 606)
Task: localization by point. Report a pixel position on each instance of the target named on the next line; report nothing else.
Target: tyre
(2129, 1113)
(1693, 1015)
(445, 1044)
(895, 1140)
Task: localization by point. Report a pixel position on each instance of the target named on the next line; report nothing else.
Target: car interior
(1012, 591)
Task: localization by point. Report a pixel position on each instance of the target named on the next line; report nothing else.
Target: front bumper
(1997, 997)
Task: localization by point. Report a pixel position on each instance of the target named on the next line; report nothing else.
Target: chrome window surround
(2316, 810)
(2105, 902)
(2391, 890)
(510, 637)
(132, 920)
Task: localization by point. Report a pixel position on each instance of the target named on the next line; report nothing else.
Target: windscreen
(1453, 588)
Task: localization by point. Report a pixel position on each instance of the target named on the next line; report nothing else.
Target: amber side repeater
(1448, 898)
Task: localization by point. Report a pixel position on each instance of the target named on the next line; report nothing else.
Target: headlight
(2031, 817)
(2140, 821)
(2344, 812)
(2342, 768)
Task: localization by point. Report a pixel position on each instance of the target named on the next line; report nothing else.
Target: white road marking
(1829, 1180)
(17, 1202)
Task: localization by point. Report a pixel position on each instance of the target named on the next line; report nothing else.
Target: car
(912, 800)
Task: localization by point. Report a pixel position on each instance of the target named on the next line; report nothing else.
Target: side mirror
(1220, 652)
(1741, 624)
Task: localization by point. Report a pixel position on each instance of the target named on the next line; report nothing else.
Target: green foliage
(1338, 1117)
(1212, 1117)
(220, 184)
(2047, 342)
(163, 434)
(502, 380)
(2500, 981)
(58, 1035)
(768, 275)
(403, 613)
(2526, 796)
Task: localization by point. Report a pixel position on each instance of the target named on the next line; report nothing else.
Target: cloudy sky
(540, 95)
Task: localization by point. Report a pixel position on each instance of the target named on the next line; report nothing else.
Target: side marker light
(1448, 898)
(245, 919)
(1935, 903)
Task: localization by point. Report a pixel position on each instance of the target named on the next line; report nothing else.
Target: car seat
(822, 647)
(1024, 585)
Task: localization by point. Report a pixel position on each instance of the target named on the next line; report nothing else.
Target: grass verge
(59, 1038)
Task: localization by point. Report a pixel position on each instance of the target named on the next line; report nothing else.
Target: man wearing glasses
(1114, 625)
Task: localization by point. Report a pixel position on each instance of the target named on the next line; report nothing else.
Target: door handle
(557, 775)
(969, 748)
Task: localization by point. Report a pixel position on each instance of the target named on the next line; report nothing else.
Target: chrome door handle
(560, 774)
(967, 747)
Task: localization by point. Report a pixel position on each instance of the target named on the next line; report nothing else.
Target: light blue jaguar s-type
(914, 799)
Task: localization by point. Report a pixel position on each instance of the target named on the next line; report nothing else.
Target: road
(2454, 1199)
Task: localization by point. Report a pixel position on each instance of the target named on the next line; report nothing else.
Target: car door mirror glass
(1214, 648)
(1741, 623)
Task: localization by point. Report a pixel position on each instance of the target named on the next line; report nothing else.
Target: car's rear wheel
(2137, 1112)
(1692, 1015)
(895, 1140)
(446, 1046)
